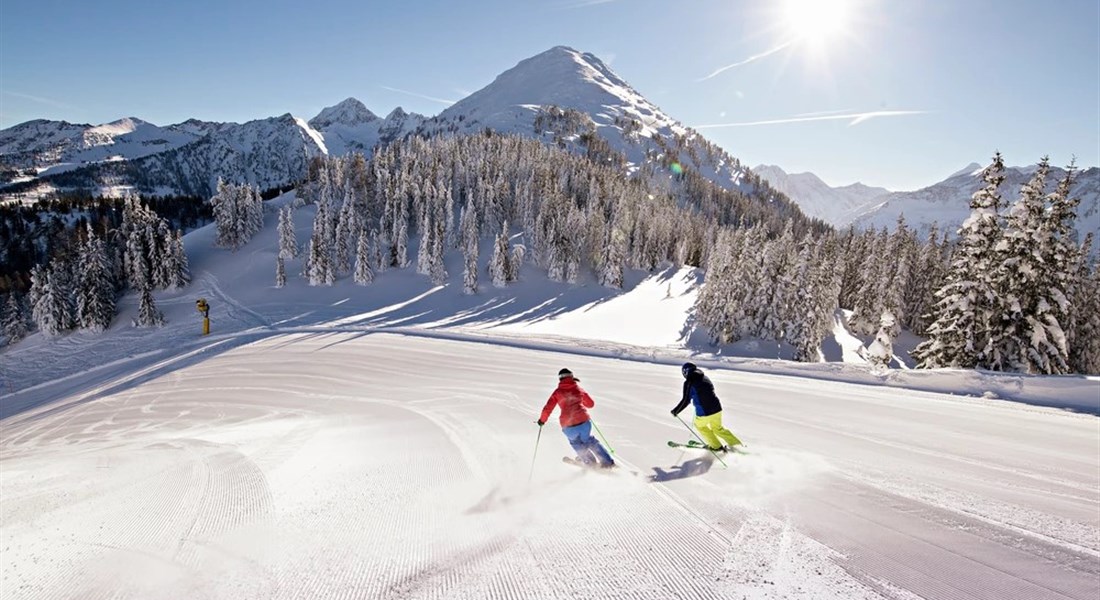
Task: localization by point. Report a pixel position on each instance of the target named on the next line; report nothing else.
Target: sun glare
(815, 21)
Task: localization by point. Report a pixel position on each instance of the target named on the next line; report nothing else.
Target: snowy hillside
(948, 202)
(837, 206)
(378, 442)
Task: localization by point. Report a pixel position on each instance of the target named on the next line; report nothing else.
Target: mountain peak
(348, 112)
(120, 126)
(966, 171)
(562, 77)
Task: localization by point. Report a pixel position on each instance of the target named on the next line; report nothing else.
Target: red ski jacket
(573, 401)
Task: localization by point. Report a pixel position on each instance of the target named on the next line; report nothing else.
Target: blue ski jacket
(699, 390)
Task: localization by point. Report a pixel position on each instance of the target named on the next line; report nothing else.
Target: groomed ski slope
(390, 466)
(379, 442)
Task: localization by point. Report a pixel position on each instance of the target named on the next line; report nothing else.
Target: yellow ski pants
(710, 429)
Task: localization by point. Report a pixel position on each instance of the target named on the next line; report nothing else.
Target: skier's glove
(541, 423)
(674, 413)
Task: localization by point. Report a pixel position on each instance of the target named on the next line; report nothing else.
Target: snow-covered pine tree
(400, 249)
(159, 242)
(714, 305)
(52, 312)
(1028, 336)
(148, 313)
(1084, 350)
(138, 262)
(881, 351)
(596, 231)
(364, 274)
(255, 211)
(799, 318)
(896, 275)
(773, 290)
(856, 248)
(15, 319)
(379, 261)
(180, 273)
(928, 276)
(288, 244)
(319, 267)
(95, 294)
(875, 277)
(498, 263)
(574, 244)
(224, 204)
(748, 283)
(1064, 258)
(470, 237)
(280, 271)
(519, 254)
(424, 249)
(826, 274)
(438, 271)
(966, 304)
(344, 226)
(613, 273)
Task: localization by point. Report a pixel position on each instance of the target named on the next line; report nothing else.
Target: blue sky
(951, 81)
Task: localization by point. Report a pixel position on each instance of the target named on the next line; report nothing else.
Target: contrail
(749, 59)
(856, 118)
(433, 99)
(39, 99)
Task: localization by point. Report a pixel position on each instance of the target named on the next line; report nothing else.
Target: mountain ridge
(945, 203)
(560, 96)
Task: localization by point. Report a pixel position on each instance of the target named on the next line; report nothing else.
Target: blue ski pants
(588, 449)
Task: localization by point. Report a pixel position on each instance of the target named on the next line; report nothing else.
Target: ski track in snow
(373, 465)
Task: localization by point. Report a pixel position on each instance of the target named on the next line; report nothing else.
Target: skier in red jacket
(575, 423)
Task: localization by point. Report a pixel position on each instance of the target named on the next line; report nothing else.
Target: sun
(815, 22)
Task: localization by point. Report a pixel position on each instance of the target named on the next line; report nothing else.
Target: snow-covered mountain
(565, 96)
(562, 96)
(52, 146)
(835, 205)
(265, 152)
(350, 127)
(948, 202)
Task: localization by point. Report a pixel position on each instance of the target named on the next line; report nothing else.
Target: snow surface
(378, 442)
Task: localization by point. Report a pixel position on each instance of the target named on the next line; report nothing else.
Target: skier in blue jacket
(699, 390)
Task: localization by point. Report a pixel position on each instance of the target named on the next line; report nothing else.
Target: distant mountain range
(946, 203)
(561, 96)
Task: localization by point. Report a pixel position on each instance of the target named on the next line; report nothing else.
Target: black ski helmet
(688, 369)
(562, 374)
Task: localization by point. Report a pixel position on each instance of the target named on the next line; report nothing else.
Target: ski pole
(600, 433)
(532, 474)
(705, 445)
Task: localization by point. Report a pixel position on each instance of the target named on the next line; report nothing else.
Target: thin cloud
(39, 99)
(584, 3)
(750, 59)
(856, 118)
(432, 98)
